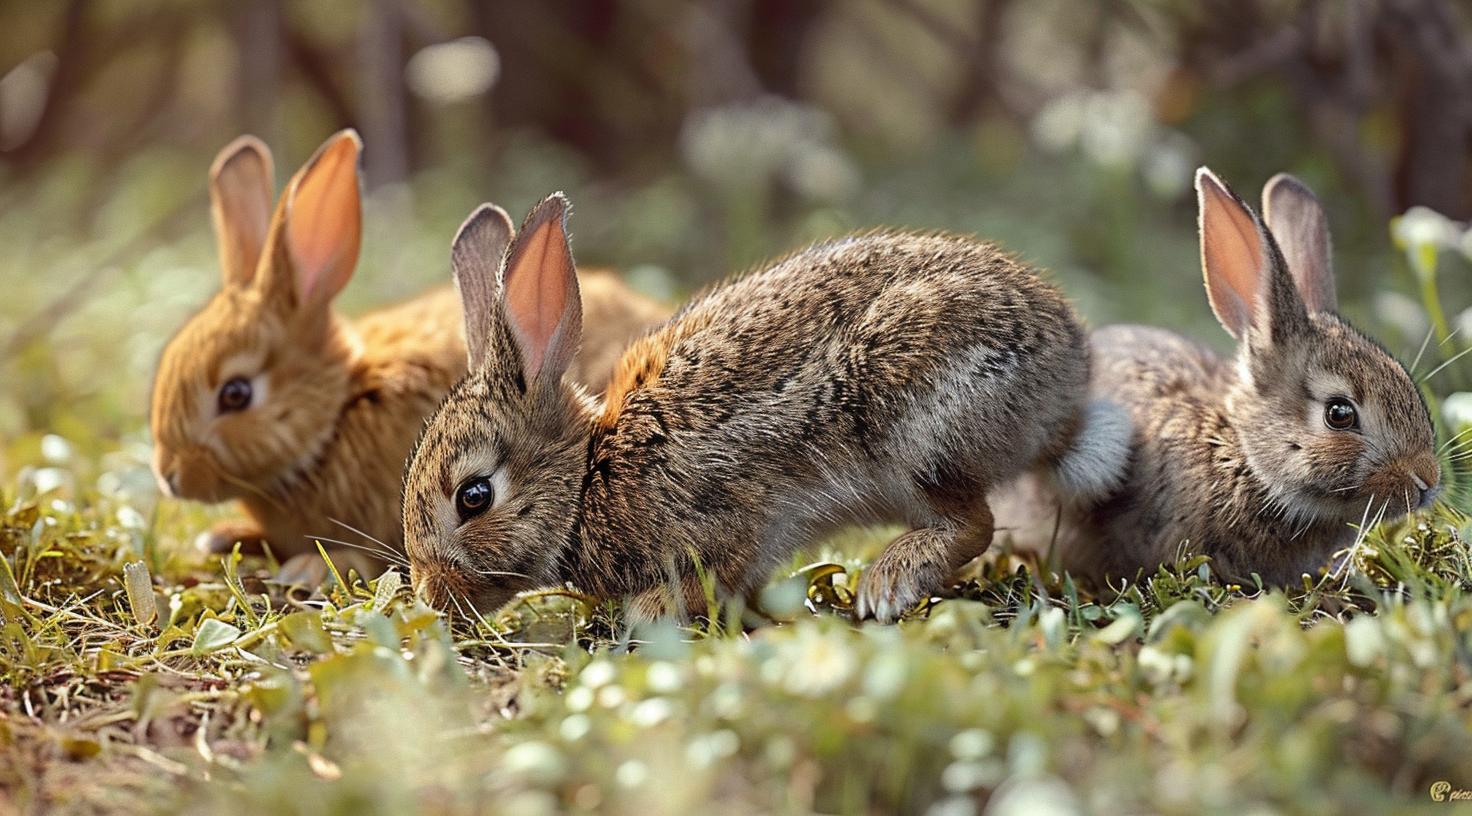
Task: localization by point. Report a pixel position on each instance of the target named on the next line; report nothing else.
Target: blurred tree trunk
(1346, 63)
(719, 69)
(317, 69)
(72, 45)
(383, 94)
(777, 41)
(1432, 167)
(257, 30)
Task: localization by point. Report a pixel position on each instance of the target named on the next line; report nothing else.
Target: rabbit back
(885, 377)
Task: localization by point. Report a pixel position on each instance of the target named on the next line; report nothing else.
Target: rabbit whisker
(461, 616)
(377, 541)
(383, 545)
(1459, 439)
(1460, 448)
(392, 558)
(499, 573)
(1455, 357)
(390, 555)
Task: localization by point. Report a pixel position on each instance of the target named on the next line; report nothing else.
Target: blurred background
(696, 139)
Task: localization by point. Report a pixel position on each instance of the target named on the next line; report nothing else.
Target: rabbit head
(250, 388)
(492, 489)
(1329, 422)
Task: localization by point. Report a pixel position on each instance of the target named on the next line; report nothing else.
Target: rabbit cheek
(1336, 459)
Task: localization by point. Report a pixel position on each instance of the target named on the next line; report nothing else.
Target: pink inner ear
(240, 195)
(1231, 256)
(324, 222)
(537, 290)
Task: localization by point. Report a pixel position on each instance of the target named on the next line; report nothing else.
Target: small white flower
(1405, 314)
(1423, 226)
(1117, 126)
(664, 677)
(1457, 409)
(55, 449)
(131, 519)
(631, 774)
(535, 761)
(597, 673)
(651, 712)
(1057, 127)
(817, 663)
(453, 71)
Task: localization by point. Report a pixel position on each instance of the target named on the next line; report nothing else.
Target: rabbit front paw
(303, 571)
(900, 578)
(885, 594)
(309, 571)
(223, 537)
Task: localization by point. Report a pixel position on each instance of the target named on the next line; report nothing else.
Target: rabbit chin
(444, 592)
(1350, 508)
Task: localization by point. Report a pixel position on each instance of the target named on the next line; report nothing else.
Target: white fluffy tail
(1095, 463)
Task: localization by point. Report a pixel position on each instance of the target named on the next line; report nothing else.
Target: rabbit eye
(235, 395)
(1340, 415)
(473, 498)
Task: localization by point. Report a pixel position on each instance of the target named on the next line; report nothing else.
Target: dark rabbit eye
(1340, 415)
(473, 498)
(235, 395)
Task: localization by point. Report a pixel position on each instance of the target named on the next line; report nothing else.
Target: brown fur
(888, 377)
(1245, 469)
(343, 399)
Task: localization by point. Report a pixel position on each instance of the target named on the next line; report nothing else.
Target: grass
(138, 678)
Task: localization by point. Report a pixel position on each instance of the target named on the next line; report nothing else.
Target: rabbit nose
(167, 474)
(1426, 494)
(1426, 488)
(1426, 474)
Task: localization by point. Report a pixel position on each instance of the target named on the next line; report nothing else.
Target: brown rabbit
(887, 377)
(1266, 462)
(270, 397)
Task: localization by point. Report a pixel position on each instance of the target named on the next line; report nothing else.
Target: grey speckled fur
(1232, 457)
(885, 377)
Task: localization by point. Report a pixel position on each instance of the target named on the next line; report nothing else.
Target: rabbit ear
(323, 220)
(1296, 220)
(539, 291)
(476, 255)
(1249, 289)
(241, 186)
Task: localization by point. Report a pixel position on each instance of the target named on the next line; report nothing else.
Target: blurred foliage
(695, 140)
(1016, 693)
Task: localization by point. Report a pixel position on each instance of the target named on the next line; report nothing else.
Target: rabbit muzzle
(189, 474)
(1406, 484)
